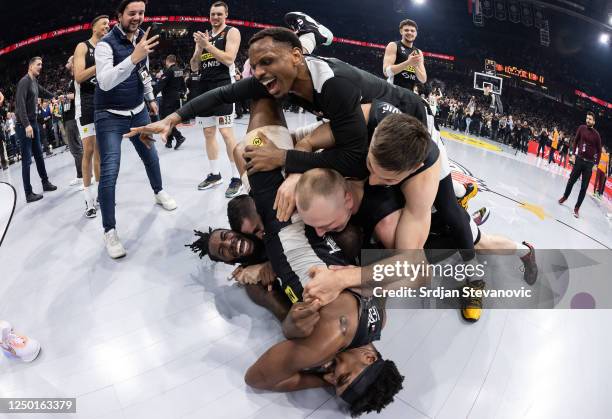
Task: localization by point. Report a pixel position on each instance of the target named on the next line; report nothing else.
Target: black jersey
(378, 202)
(84, 92)
(171, 84)
(407, 77)
(68, 107)
(371, 315)
(379, 111)
(339, 90)
(211, 69)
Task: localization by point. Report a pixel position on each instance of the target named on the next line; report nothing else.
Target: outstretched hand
(162, 127)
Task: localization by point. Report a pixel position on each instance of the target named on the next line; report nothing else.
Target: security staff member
(403, 63)
(171, 85)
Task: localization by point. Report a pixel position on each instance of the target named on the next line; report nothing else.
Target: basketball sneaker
(302, 24)
(17, 345)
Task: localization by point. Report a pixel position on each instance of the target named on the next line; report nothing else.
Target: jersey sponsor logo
(333, 246)
(373, 317)
(207, 56)
(388, 108)
(410, 69)
(291, 294)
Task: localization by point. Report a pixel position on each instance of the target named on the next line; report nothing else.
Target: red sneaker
(576, 212)
(562, 200)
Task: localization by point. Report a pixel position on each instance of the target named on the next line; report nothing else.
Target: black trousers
(582, 168)
(541, 147)
(168, 107)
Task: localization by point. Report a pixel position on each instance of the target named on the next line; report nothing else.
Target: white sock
(214, 167)
(459, 189)
(89, 197)
(308, 42)
(522, 250)
(234, 170)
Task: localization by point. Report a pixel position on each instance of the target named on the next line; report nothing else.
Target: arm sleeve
(341, 103)
(107, 75)
(148, 86)
(44, 93)
(598, 155)
(21, 110)
(236, 92)
(574, 145)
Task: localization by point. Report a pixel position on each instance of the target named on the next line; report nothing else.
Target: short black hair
(239, 208)
(592, 114)
(124, 4)
(381, 392)
(200, 246)
(97, 18)
(278, 34)
(222, 4)
(171, 58)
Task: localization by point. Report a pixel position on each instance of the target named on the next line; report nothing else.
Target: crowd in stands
(456, 100)
(465, 42)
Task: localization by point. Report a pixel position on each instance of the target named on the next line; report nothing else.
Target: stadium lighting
(610, 19)
(418, 2)
(604, 38)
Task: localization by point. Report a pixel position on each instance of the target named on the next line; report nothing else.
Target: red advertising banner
(200, 19)
(593, 99)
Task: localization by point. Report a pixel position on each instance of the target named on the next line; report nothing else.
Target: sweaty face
(345, 367)
(275, 65)
(132, 17)
(217, 16)
(328, 214)
(101, 27)
(409, 33)
(590, 121)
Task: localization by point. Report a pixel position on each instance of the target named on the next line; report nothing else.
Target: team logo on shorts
(257, 141)
(85, 129)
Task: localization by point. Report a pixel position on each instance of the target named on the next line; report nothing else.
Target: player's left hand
(265, 157)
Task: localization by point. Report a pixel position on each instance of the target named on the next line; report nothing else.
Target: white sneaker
(76, 181)
(114, 248)
(16, 345)
(162, 198)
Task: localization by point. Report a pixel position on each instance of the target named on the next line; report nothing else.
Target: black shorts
(221, 110)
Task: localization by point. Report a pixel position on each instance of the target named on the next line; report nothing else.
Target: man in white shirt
(119, 103)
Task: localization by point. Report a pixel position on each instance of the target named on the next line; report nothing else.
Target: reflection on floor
(161, 334)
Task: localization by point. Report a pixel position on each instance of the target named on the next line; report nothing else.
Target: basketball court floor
(163, 334)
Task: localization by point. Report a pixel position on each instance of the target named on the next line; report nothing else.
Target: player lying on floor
(337, 337)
